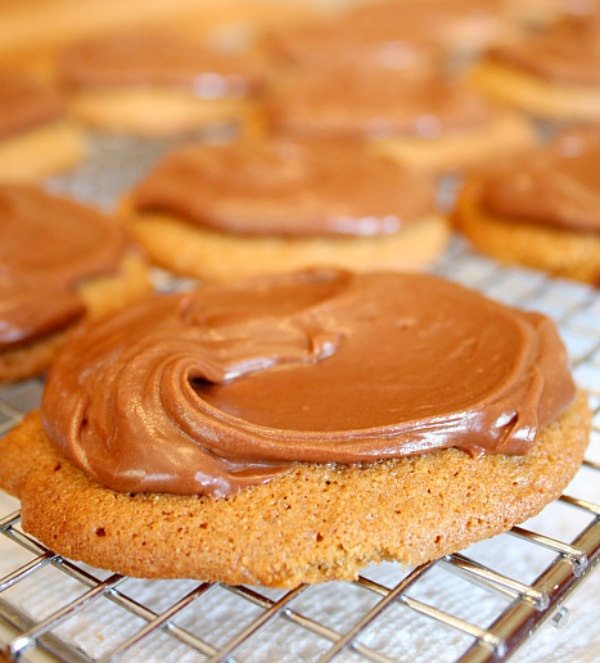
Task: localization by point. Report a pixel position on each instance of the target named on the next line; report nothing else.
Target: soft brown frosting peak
(556, 186)
(225, 387)
(24, 104)
(358, 102)
(287, 188)
(47, 246)
(160, 58)
(567, 52)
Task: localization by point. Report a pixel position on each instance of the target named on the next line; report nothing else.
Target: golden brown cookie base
(506, 134)
(147, 111)
(101, 295)
(195, 251)
(565, 253)
(540, 98)
(41, 152)
(315, 523)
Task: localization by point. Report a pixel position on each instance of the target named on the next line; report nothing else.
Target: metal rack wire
(524, 604)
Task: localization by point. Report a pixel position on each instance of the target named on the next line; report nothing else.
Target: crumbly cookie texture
(315, 523)
(563, 252)
(191, 250)
(101, 295)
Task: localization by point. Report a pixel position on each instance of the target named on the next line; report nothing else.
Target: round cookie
(60, 262)
(234, 211)
(552, 75)
(316, 523)
(294, 428)
(541, 211)
(158, 83)
(424, 121)
(36, 138)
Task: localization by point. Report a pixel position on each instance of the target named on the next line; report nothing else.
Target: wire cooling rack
(476, 606)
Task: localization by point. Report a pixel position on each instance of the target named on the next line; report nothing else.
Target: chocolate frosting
(567, 52)
(287, 188)
(557, 186)
(225, 387)
(160, 58)
(24, 104)
(47, 246)
(357, 102)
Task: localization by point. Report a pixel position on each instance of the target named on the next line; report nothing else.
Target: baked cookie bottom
(41, 152)
(315, 523)
(101, 295)
(155, 111)
(192, 250)
(560, 251)
(506, 134)
(540, 98)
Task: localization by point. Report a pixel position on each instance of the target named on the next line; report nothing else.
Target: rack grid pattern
(524, 607)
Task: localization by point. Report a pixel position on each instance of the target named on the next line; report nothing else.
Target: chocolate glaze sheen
(227, 386)
(287, 188)
(47, 246)
(557, 186)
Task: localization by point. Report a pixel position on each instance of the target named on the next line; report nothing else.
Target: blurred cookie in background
(395, 34)
(37, 139)
(551, 74)
(425, 121)
(231, 211)
(60, 262)
(158, 83)
(542, 210)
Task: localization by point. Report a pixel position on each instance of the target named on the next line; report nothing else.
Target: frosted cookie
(59, 262)
(395, 34)
(553, 75)
(295, 428)
(229, 211)
(542, 210)
(154, 83)
(422, 120)
(36, 138)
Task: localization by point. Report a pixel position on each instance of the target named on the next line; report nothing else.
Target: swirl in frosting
(227, 386)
